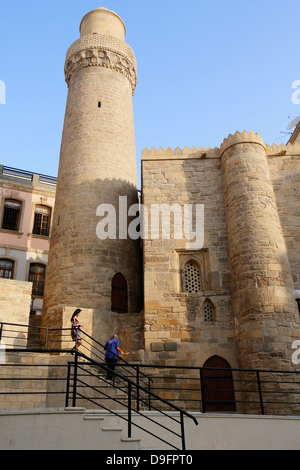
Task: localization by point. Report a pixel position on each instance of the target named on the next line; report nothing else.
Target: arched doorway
(217, 385)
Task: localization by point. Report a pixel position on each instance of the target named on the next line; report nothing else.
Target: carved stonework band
(101, 51)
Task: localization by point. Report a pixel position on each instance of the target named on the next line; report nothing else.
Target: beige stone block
(151, 305)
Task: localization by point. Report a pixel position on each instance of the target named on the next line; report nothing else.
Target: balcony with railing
(26, 177)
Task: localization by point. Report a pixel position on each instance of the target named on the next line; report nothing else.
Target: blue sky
(205, 69)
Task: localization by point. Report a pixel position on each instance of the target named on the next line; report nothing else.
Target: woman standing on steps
(75, 329)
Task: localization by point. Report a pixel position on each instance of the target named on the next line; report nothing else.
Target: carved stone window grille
(208, 311)
(192, 278)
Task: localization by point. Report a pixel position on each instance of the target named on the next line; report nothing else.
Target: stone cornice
(96, 50)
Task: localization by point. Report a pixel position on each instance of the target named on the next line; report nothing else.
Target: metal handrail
(76, 364)
(48, 340)
(131, 385)
(267, 395)
(120, 358)
(263, 393)
(259, 381)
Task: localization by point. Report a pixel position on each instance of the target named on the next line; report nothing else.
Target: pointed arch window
(119, 294)
(192, 278)
(208, 311)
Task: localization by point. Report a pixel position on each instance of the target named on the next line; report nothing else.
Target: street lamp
(297, 298)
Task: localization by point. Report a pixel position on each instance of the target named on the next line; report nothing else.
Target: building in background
(26, 210)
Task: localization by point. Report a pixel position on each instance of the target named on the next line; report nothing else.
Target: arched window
(217, 385)
(119, 294)
(208, 311)
(6, 268)
(192, 278)
(37, 274)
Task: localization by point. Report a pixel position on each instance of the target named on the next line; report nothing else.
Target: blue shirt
(111, 349)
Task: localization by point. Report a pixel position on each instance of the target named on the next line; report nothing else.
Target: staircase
(62, 429)
(141, 440)
(111, 432)
(35, 378)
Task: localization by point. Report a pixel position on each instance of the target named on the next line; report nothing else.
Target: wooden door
(119, 294)
(217, 386)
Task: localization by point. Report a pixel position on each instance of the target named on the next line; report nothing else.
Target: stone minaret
(265, 312)
(97, 165)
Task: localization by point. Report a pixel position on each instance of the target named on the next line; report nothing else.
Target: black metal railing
(16, 338)
(213, 389)
(79, 385)
(160, 387)
(31, 385)
(192, 388)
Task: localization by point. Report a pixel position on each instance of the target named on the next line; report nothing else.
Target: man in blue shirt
(113, 350)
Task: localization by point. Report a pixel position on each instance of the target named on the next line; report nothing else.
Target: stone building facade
(230, 295)
(172, 301)
(242, 307)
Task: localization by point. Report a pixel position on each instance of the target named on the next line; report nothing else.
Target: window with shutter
(42, 218)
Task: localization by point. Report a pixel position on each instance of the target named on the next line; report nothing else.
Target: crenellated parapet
(216, 152)
(273, 150)
(241, 138)
(178, 153)
(281, 150)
